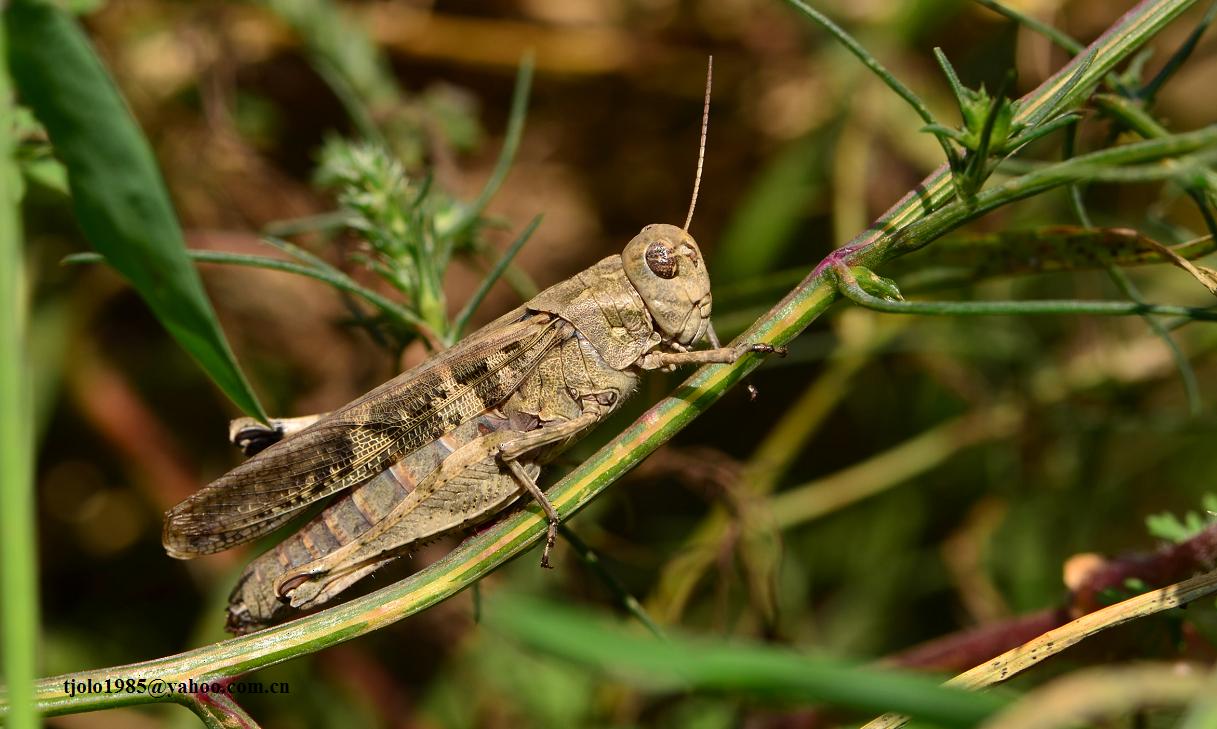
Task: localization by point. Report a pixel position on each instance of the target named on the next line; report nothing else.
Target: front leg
(551, 514)
(719, 355)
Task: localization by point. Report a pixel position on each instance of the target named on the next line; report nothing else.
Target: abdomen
(478, 492)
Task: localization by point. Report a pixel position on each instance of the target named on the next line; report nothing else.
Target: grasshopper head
(664, 264)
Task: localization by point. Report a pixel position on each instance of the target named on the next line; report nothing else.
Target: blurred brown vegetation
(805, 148)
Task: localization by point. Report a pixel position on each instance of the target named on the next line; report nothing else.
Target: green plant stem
(345, 58)
(1055, 35)
(332, 220)
(18, 553)
(878, 69)
(1150, 90)
(484, 552)
(765, 468)
(893, 466)
(511, 143)
(1201, 187)
(515, 277)
(977, 169)
(588, 556)
(1064, 91)
(219, 711)
(854, 292)
(865, 57)
(1001, 419)
(328, 274)
(466, 313)
(1190, 386)
(947, 217)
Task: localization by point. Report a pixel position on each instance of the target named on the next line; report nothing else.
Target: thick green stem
(18, 555)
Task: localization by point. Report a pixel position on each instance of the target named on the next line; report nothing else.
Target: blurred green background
(1022, 443)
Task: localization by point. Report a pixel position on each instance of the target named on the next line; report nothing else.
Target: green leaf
(771, 674)
(1173, 529)
(117, 191)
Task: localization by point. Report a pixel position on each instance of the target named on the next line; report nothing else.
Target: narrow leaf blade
(117, 191)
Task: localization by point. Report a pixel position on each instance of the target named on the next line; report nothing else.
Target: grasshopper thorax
(666, 267)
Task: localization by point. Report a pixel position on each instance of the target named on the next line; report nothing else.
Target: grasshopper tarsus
(551, 514)
(752, 392)
(764, 348)
(551, 537)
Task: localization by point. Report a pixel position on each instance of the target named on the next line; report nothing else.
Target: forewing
(361, 439)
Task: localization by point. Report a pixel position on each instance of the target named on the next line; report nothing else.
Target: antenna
(701, 148)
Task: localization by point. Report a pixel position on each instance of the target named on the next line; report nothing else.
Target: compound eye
(661, 260)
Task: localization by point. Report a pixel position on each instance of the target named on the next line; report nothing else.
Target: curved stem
(219, 711)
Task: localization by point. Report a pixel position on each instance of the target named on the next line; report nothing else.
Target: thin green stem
(219, 711)
(466, 313)
(338, 279)
(1075, 189)
(922, 231)
(511, 143)
(18, 547)
(1150, 90)
(332, 220)
(588, 556)
(357, 109)
(1064, 91)
(866, 58)
(896, 465)
(1191, 387)
(515, 277)
(329, 275)
(345, 58)
(1201, 186)
(872, 63)
(1188, 375)
(854, 292)
(948, 70)
(1055, 35)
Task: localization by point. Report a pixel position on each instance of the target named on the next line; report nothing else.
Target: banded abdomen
(377, 521)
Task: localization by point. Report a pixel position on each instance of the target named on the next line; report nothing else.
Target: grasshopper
(452, 442)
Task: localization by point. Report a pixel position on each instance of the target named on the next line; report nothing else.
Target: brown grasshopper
(453, 441)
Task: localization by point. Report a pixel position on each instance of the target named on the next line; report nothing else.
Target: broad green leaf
(771, 674)
(117, 191)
